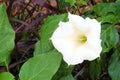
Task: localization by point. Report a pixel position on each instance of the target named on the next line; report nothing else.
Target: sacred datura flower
(78, 39)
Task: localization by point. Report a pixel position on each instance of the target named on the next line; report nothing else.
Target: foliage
(26, 51)
(37, 67)
(7, 36)
(114, 64)
(6, 76)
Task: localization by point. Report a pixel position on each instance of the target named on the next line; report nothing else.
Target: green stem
(7, 68)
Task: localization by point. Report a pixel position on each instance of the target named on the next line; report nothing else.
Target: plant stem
(7, 68)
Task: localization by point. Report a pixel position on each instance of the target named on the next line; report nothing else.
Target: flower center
(82, 39)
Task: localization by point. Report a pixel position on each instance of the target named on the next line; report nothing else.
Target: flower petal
(63, 39)
(63, 30)
(86, 53)
(94, 27)
(67, 48)
(94, 44)
(73, 60)
(78, 22)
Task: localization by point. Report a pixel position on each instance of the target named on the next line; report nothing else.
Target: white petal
(75, 19)
(87, 53)
(93, 38)
(67, 48)
(73, 60)
(80, 54)
(64, 29)
(78, 22)
(63, 39)
(95, 45)
(94, 27)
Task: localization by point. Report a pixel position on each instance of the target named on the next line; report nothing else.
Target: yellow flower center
(82, 39)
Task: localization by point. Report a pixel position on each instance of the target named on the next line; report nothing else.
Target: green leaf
(117, 0)
(118, 9)
(103, 9)
(110, 18)
(49, 26)
(72, 2)
(98, 67)
(109, 12)
(41, 67)
(69, 77)
(7, 35)
(63, 71)
(94, 69)
(114, 66)
(84, 2)
(109, 36)
(37, 49)
(6, 76)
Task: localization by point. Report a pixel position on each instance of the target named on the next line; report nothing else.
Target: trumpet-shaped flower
(78, 39)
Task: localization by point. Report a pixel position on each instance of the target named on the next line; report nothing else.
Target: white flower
(78, 39)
